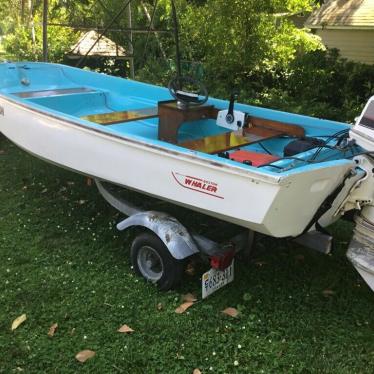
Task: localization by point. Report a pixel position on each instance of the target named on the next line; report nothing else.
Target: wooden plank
(285, 128)
(56, 92)
(257, 134)
(217, 143)
(123, 116)
(172, 117)
(230, 140)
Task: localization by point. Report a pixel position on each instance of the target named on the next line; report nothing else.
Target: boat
(273, 172)
(107, 128)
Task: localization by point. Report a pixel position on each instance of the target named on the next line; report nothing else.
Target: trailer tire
(152, 260)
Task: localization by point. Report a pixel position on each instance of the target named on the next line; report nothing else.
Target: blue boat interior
(130, 109)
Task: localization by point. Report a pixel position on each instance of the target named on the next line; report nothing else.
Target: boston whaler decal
(197, 184)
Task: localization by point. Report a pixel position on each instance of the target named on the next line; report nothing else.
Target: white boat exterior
(277, 205)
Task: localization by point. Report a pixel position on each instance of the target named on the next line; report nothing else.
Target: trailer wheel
(152, 260)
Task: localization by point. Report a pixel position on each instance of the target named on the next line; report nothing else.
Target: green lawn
(62, 260)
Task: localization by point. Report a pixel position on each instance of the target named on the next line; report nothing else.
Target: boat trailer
(163, 244)
(159, 251)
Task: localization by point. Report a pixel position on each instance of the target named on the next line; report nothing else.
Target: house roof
(103, 48)
(343, 14)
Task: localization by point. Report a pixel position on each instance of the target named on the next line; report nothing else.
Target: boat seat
(112, 118)
(257, 129)
(172, 117)
(283, 127)
(55, 92)
(231, 140)
(216, 143)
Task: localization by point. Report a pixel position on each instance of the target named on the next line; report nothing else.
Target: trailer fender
(172, 233)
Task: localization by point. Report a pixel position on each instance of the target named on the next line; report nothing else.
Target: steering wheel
(196, 98)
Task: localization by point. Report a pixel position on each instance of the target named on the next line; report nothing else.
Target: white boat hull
(274, 205)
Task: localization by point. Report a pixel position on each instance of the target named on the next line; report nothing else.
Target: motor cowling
(361, 251)
(363, 130)
(361, 248)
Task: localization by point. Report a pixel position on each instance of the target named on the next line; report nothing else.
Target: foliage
(19, 44)
(246, 45)
(321, 84)
(237, 39)
(23, 34)
(249, 45)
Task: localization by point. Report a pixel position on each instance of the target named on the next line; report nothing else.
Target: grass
(62, 260)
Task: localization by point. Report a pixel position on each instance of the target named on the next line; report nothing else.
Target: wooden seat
(56, 92)
(216, 143)
(283, 127)
(123, 116)
(255, 130)
(230, 140)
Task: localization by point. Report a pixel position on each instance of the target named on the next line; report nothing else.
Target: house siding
(355, 45)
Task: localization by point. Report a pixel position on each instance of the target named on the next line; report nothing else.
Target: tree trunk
(23, 6)
(31, 23)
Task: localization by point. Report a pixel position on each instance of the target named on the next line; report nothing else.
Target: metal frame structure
(45, 30)
(126, 7)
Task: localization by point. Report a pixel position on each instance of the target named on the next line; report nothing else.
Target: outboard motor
(361, 247)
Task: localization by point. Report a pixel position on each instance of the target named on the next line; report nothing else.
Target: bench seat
(55, 92)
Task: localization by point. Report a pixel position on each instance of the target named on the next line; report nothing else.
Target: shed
(103, 48)
(347, 25)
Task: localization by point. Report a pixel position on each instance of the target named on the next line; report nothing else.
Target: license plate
(214, 279)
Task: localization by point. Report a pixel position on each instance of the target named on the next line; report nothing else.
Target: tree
(239, 40)
(236, 40)
(21, 26)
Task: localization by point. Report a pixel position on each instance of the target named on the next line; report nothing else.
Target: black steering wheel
(188, 98)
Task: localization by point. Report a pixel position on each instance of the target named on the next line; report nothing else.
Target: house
(347, 25)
